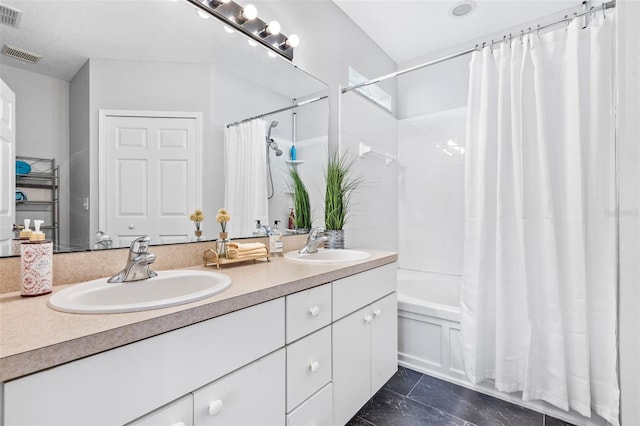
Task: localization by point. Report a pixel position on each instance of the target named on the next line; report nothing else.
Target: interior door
(7, 166)
(152, 177)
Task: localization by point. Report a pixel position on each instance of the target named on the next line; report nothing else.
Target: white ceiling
(408, 29)
(67, 32)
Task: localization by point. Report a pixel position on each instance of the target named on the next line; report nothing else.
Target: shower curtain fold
(539, 292)
(245, 170)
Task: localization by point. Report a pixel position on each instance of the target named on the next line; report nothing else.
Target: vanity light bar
(231, 14)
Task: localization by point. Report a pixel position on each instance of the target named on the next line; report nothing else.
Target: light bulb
(273, 28)
(249, 12)
(292, 41)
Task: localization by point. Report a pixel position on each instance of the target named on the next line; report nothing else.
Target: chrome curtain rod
(296, 105)
(522, 33)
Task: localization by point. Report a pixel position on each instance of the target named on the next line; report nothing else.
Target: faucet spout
(138, 263)
(313, 241)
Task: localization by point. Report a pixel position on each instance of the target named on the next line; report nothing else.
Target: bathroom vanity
(287, 344)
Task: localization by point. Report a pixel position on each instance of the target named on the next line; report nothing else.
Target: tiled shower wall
(431, 191)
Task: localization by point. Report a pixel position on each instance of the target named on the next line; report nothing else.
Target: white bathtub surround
(539, 290)
(245, 172)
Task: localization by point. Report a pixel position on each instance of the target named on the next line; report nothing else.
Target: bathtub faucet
(313, 241)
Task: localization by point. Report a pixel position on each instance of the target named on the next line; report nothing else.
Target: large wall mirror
(131, 60)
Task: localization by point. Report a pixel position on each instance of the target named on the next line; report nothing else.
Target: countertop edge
(33, 361)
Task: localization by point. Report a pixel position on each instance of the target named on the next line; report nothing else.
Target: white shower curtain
(539, 293)
(245, 168)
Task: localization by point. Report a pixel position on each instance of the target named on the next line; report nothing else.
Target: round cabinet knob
(314, 311)
(178, 424)
(132, 227)
(314, 366)
(368, 319)
(377, 312)
(215, 407)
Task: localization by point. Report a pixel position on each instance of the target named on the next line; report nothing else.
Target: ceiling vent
(10, 16)
(20, 54)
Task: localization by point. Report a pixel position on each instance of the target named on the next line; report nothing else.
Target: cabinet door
(178, 413)
(384, 341)
(253, 395)
(351, 364)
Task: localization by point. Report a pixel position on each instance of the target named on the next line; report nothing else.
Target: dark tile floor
(410, 398)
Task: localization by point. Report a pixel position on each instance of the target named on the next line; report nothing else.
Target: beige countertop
(34, 337)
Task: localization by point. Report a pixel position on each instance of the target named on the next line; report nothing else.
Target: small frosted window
(372, 92)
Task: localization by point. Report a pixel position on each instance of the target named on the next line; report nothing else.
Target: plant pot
(335, 238)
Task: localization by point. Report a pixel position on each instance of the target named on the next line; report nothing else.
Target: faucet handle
(313, 233)
(140, 245)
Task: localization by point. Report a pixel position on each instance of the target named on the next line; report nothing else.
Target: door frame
(103, 115)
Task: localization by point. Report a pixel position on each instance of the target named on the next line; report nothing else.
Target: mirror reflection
(131, 100)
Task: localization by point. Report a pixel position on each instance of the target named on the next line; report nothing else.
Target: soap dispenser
(36, 263)
(22, 236)
(259, 231)
(275, 240)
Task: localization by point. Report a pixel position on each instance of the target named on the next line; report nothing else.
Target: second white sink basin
(328, 256)
(169, 288)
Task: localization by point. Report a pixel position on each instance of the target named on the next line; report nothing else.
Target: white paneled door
(7, 166)
(151, 175)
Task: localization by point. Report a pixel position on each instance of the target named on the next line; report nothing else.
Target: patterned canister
(36, 267)
(15, 245)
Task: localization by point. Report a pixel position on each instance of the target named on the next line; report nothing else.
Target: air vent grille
(20, 54)
(10, 16)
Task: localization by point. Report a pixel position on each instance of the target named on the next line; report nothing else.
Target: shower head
(271, 126)
(274, 146)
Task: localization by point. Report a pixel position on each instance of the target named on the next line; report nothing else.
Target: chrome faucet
(313, 241)
(138, 264)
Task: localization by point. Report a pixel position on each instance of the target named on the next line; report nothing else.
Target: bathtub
(429, 324)
(429, 338)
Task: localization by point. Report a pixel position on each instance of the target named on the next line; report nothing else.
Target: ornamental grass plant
(301, 204)
(339, 190)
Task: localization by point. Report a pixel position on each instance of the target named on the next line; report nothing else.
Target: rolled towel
(245, 247)
(253, 252)
(233, 253)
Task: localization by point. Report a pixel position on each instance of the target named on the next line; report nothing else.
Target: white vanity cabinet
(365, 352)
(311, 357)
(125, 383)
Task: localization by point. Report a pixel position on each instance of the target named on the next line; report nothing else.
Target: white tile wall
(431, 191)
(374, 222)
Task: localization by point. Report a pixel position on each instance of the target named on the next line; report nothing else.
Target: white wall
(629, 192)
(431, 191)
(330, 43)
(42, 128)
(432, 116)
(374, 221)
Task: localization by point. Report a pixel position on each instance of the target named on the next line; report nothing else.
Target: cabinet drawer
(317, 410)
(308, 366)
(253, 395)
(308, 311)
(177, 413)
(354, 292)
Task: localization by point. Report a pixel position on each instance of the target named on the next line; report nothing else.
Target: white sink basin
(169, 288)
(328, 256)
